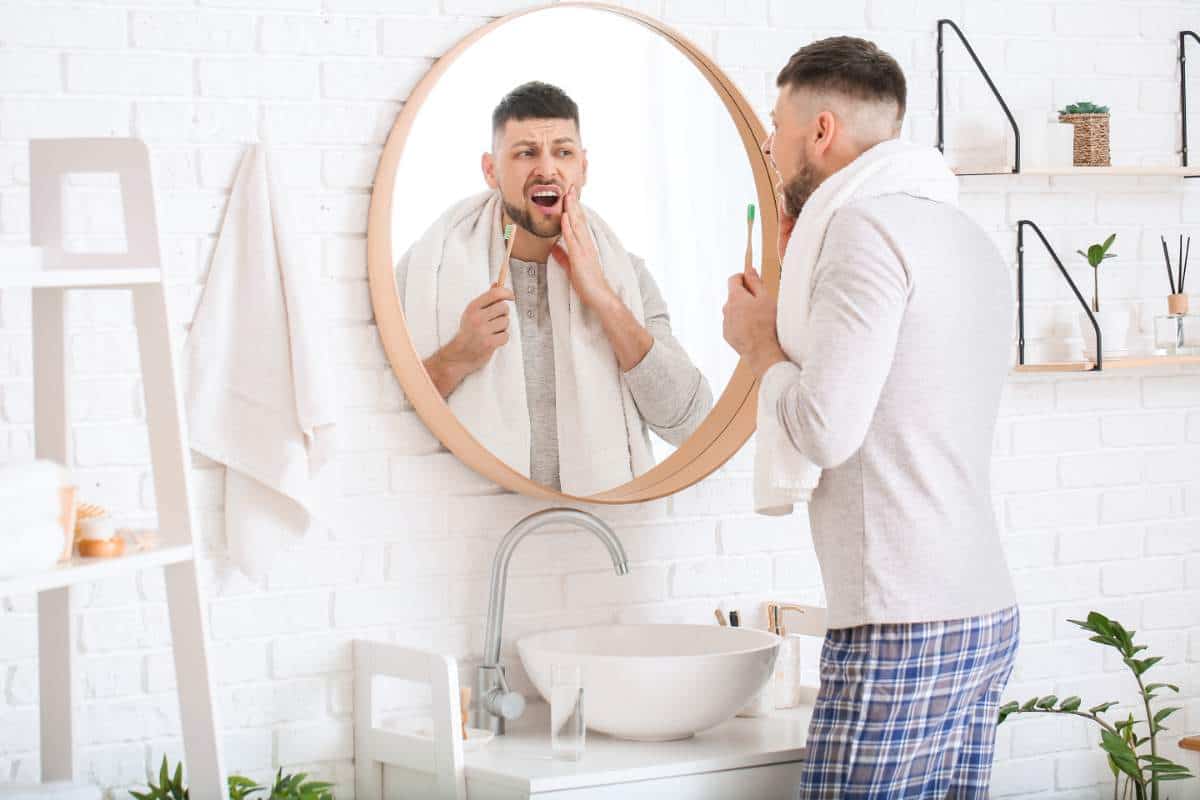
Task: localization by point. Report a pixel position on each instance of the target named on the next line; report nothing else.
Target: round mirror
(554, 219)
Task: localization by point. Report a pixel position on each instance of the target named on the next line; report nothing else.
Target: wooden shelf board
(82, 570)
(77, 278)
(1133, 171)
(1134, 362)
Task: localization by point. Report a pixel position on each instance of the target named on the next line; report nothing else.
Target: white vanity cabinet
(756, 758)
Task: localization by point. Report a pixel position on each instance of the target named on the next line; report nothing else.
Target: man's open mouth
(546, 197)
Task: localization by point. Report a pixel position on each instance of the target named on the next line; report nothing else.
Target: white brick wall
(1096, 478)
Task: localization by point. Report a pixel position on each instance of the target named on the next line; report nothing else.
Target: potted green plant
(286, 787)
(1091, 124)
(1133, 756)
(1114, 324)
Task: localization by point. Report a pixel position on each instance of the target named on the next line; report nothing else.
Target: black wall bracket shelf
(943, 24)
(1021, 226)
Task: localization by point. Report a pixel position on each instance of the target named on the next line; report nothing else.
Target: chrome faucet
(494, 701)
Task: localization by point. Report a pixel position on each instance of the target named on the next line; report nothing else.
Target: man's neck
(528, 247)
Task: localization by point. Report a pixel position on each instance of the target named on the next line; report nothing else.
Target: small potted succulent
(1091, 133)
(1114, 324)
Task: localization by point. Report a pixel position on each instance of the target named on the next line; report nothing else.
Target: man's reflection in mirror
(564, 368)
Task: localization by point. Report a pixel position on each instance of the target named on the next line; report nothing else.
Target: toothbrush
(510, 236)
(749, 239)
(464, 700)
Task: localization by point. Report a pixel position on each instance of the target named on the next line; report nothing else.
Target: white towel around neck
(783, 476)
(602, 441)
(261, 393)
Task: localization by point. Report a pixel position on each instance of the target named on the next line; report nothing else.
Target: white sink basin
(654, 683)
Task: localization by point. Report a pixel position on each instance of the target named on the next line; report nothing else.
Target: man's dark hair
(534, 100)
(851, 66)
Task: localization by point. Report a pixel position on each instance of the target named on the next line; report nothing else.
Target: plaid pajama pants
(909, 711)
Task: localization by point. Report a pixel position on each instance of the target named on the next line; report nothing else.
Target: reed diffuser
(1177, 300)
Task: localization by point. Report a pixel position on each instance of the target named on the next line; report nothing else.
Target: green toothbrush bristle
(750, 213)
(508, 231)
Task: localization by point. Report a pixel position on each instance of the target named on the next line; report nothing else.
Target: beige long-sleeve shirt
(896, 399)
(671, 394)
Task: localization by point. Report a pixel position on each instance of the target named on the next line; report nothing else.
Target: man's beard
(545, 228)
(797, 191)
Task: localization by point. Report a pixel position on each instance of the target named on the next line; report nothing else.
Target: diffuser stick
(1187, 255)
(510, 236)
(1167, 259)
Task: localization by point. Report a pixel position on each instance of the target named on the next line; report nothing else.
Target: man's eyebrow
(524, 143)
(565, 140)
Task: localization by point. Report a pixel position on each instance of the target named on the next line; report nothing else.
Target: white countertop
(522, 758)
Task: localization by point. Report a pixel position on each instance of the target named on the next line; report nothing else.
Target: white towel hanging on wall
(261, 394)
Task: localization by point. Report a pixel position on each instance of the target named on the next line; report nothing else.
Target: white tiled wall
(1097, 479)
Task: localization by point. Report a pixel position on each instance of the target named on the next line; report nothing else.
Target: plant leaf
(1070, 704)
(1163, 713)
(1100, 709)
(1121, 755)
(1047, 702)
(1146, 663)
(1150, 687)
(1030, 704)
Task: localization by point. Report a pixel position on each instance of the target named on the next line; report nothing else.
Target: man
(890, 386)
(590, 396)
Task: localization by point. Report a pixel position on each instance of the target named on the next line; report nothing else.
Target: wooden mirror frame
(732, 418)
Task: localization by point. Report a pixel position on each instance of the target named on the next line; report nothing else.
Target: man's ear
(825, 128)
(583, 177)
(488, 164)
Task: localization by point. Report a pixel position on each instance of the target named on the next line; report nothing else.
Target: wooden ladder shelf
(137, 271)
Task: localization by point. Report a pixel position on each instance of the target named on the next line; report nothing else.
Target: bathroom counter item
(102, 548)
(759, 758)
(32, 527)
(656, 682)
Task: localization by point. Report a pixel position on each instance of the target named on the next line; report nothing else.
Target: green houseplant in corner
(1114, 324)
(1137, 773)
(286, 787)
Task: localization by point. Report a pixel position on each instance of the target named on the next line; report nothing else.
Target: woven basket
(1091, 139)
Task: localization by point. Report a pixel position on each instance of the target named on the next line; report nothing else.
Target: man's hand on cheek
(750, 323)
(581, 258)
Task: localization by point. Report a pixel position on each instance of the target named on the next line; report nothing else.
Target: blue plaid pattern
(909, 711)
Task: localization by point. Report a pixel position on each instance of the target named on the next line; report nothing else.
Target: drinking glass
(568, 729)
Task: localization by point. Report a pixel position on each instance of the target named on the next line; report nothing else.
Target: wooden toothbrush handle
(749, 247)
(464, 698)
(504, 265)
